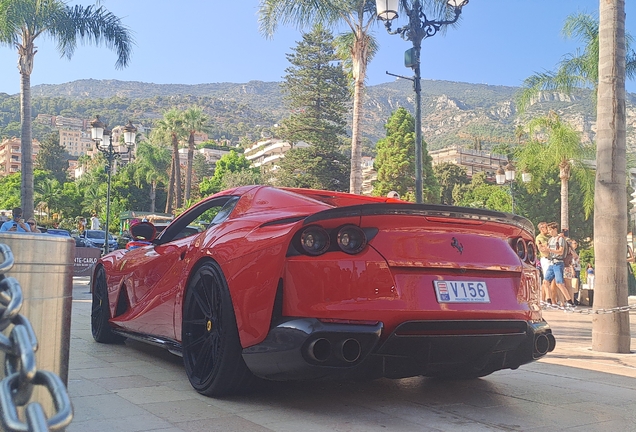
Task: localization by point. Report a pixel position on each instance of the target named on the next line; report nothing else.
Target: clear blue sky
(498, 42)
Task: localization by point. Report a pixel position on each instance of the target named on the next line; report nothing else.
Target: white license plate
(461, 291)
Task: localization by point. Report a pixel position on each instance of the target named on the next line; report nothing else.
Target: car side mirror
(143, 231)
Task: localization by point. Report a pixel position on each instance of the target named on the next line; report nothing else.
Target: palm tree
(152, 167)
(49, 192)
(194, 119)
(578, 70)
(93, 199)
(171, 127)
(21, 22)
(555, 143)
(358, 15)
(610, 333)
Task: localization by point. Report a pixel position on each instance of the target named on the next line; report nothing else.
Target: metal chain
(573, 309)
(21, 374)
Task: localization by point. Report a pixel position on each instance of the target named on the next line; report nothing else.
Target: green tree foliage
(314, 168)
(151, 169)
(194, 120)
(171, 129)
(395, 161)
(231, 162)
(556, 144)
(10, 191)
(359, 46)
(53, 157)
(316, 91)
(48, 194)
(449, 175)
(481, 194)
(200, 167)
(242, 177)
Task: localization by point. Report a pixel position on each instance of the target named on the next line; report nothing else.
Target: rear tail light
(351, 239)
(520, 248)
(531, 253)
(314, 240)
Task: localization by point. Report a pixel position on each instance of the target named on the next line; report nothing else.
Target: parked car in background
(291, 284)
(96, 237)
(58, 232)
(82, 242)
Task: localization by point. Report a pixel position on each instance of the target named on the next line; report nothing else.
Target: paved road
(135, 387)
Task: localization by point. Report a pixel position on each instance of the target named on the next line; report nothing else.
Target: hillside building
(473, 161)
(11, 155)
(76, 142)
(369, 175)
(266, 153)
(211, 155)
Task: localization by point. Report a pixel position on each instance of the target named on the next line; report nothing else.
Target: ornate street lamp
(507, 175)
(418, 29)
(104, 143)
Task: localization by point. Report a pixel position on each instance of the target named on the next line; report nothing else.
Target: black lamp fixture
(507, 175)
(418, 29)
(103, 138)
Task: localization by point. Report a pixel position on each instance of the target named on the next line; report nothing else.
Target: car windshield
(97, 235)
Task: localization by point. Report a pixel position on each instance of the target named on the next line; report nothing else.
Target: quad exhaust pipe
(346, 350)
(543, 344)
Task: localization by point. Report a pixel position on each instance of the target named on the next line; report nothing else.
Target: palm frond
(92, 25)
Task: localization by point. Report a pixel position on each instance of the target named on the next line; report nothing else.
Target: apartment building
(473, 161)
(267, 153)
(11, 155)
(211, 155)
(76, 142)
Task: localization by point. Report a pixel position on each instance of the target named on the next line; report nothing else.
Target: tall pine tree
(317, 93)
(395, 161)
(53, 157)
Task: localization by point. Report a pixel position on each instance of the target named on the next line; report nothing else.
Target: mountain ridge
(453, 113)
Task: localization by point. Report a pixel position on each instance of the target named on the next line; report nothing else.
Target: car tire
(211, 347)
(100, 312)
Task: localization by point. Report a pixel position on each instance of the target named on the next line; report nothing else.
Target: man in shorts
(557, 250)
(542, 244)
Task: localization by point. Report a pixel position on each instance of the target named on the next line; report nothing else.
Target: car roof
(57, 231)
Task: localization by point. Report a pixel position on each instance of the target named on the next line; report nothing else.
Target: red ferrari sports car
(287, 284)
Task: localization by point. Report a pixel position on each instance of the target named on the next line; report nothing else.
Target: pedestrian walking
(590, 276)
(558, 250)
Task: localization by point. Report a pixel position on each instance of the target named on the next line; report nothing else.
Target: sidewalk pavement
(136, 387)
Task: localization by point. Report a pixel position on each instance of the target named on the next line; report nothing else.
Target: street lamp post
(418, 29)
(507, 175)
(103, 138)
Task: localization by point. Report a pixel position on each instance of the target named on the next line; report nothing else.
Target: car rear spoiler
(434, 210)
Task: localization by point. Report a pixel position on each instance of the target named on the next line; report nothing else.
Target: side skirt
(169, 344)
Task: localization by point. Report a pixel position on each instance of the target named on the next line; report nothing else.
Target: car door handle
(182, 256)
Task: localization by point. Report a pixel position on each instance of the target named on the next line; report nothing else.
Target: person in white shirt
(95, 225)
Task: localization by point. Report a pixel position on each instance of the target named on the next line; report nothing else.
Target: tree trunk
(25, 66)
(177, 171)
(359, 58)
(610, 332)
(153, 195)
(564, 176)
(188, 179)
(169, 196)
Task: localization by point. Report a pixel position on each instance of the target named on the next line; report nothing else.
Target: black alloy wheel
(211, 347)
(100, 313)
